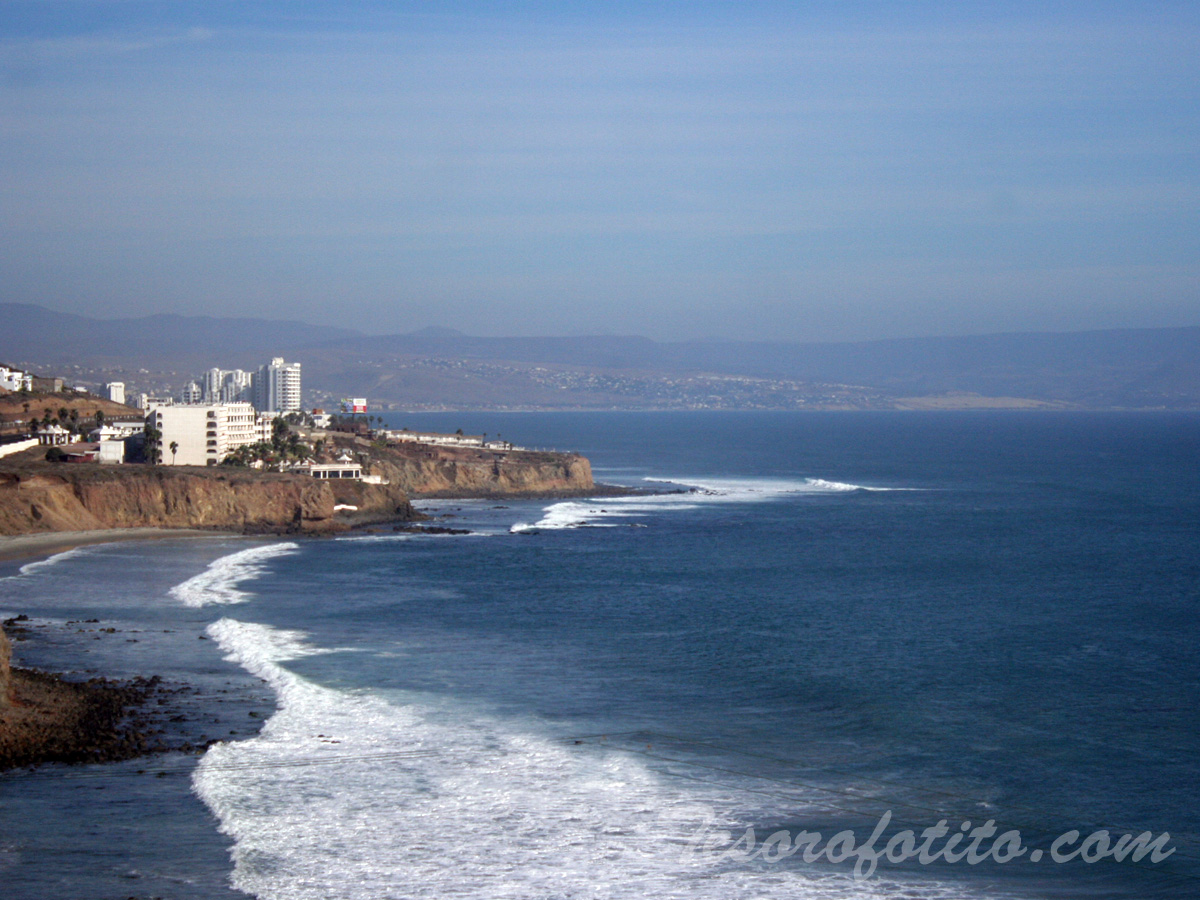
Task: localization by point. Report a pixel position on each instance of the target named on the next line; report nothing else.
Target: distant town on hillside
(443, 369)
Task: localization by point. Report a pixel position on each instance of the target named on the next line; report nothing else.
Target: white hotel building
(206, 433)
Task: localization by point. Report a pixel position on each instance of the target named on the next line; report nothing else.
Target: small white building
(54, 436)
(345, 467)
(150, 401)
(111, 453)
(115, 431)
(15, 379)
(432, 437)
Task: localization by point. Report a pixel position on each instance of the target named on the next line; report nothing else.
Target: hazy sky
(807, 171)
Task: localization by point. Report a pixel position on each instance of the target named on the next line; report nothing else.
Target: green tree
(153, 439)
(174, 450)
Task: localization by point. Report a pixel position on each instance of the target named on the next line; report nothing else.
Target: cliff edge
(48, 498)
(423, 470)
(39, 496)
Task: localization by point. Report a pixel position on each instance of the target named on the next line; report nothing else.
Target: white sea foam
(742, 489)
(687, 493)
(41, 564)
(218, 583)
(350, 796)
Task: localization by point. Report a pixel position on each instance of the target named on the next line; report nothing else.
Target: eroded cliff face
(462, 472)
(43, 497)
(5, 671)
(85, 498)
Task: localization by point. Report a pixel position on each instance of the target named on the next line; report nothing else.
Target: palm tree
(174, 450)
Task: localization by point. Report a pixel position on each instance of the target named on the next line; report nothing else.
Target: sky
(747, 170)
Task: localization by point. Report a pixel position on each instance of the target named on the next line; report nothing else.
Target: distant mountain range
(33, 333)
(444, 368)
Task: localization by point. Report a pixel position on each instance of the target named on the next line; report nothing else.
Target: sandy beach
(48, 543)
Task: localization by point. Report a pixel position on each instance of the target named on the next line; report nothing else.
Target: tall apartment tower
(277, 387)
(212, 385)
(116, 391)
(237, 387)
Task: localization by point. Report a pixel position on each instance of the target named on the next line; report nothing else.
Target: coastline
(46, 718)
(43, 544)
(38, 545)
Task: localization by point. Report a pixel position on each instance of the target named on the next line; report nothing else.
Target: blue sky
(748, 170)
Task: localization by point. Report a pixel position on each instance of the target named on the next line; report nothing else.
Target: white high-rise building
(277, 387)
(116, 391)
(227, 386)
(213, 379)
(237, 387)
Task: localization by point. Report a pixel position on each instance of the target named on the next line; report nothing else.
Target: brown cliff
(48, 498)
(5, 671)
(423, 470)
(37, 496)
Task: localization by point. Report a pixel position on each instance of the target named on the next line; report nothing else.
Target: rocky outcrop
(45, 497)
(84, 498)
(427, 471)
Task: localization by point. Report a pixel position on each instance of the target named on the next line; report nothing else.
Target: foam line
(39, 565)
(218, 583)
(594, 514)
(348, 795)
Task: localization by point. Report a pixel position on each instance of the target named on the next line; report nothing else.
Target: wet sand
(48, 543)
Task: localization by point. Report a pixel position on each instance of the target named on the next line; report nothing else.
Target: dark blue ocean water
(821, 620)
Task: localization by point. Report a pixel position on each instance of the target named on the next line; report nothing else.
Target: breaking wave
(218, 583)
(39, 565)
(350, 795)
(682, 493)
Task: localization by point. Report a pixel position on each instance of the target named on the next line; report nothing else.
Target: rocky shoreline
(46, 509)
(47, 718)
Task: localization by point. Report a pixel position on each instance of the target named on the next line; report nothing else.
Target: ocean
(851, 625)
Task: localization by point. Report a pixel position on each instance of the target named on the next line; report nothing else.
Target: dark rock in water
(430, 529)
